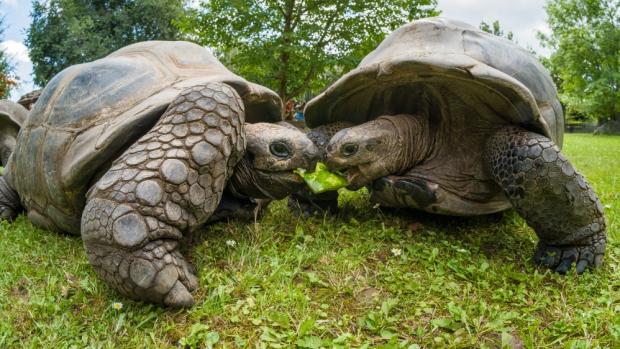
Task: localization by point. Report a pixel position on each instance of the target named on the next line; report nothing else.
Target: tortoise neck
(409, 140)
(243, 182)
(250, 182)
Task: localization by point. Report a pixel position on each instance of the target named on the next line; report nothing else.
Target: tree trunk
(286, 43)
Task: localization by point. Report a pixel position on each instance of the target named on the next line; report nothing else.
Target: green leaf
(343, 338)
(211, 339)
(321, 180)
(313, 278)
(387, 334)
(306, 326)
(198, 334)
(445, 323)
(520, 277)
(387, 306)
(281, 319)
(270, 335)
(309, 342)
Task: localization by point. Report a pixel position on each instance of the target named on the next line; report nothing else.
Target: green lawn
(367, 278)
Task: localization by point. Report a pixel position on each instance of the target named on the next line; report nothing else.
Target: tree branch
(320, 44)
(280, 8)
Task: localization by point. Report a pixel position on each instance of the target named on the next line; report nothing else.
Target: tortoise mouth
(279, 184)
(282, 176)
(355, 177)
(355, 174)
(290, 176)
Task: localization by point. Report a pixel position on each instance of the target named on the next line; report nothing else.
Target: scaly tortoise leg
(402, 191)
(10, 204)
(167, 183)
(555, 200)
(305, 203)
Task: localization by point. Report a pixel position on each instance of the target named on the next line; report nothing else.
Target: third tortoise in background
(455, 121)
(12, 117)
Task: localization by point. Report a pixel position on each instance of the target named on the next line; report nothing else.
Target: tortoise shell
(90, 113)
(468, 84)
(439, 52)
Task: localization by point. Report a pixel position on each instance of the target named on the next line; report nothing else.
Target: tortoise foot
(587, 253)
(553, 198)
(155, 272)
(306, 204)
(239, 209)
(137, 254)
(10, 205)
(7, 213)
(402, 191)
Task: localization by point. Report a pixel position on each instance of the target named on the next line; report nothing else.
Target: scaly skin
(403, 191)
(167, 183)
(528, 168)
(10, 205)
(554, 199)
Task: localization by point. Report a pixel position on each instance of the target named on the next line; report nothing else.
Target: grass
(367, 278)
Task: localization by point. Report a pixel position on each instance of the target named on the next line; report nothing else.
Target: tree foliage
(293, 46)
(585, 38)
(67, 32)
(8, 80)
(495, 29)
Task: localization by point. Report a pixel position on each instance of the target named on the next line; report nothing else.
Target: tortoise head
(384, 146)
(273, 152)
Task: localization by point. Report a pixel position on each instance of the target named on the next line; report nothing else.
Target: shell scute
(90, 113)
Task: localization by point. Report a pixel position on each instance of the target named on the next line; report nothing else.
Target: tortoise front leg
(554, 199)
(167, 183)
(403, 191)
(10, 204)
(305, 203)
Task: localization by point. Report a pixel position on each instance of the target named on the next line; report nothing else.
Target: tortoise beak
(310, 155)
(335, 164)
(312, 158)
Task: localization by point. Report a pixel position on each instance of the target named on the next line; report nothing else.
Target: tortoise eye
(348, 149)
(280, 150)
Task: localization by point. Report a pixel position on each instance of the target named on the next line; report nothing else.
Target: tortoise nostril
(312, 157)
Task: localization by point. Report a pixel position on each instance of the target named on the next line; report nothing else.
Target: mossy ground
(366, 278)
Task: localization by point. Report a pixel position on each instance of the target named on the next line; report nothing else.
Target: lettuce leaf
(321, 180)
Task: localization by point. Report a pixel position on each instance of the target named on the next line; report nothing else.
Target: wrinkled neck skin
(408, 137)
(248, 182)
(388, 145)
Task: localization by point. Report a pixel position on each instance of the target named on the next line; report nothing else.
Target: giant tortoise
(135, 149)
(455, 121)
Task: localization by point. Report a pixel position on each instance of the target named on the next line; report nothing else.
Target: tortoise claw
(403, 191)
(306, 204)
(179, 297)
(586, 254)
